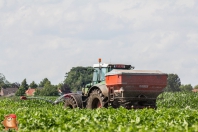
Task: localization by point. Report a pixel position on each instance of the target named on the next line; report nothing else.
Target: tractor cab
(101, 69)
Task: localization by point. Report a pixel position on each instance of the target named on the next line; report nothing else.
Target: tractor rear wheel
(70, 103)
(96, 100)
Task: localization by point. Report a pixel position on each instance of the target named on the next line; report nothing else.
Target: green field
(176, 112)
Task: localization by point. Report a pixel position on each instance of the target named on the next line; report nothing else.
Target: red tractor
(119, 85)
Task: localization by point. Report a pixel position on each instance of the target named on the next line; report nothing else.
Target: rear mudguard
(102, 86)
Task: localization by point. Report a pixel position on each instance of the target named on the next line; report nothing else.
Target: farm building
(30, 92)
(8, 91)
(195, 90)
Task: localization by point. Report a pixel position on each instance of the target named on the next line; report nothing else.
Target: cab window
(99, 75)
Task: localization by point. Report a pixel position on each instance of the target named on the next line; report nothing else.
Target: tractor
(116, 85)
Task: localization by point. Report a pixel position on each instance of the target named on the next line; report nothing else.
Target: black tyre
(70, 103)
(96, 100)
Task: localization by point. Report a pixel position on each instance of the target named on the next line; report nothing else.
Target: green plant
(176, 112)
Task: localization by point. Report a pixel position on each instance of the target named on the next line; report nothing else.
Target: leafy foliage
(196, 87)
(77, 77)
(173, 83)
(3, 82)
(33, 85)
(47, 90)
(186, 88)
(42, 83)
(179, 100)
(15, 85)
(22, 88)
(64, 88)
(176, 112)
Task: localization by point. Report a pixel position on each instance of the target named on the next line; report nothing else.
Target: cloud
(41, 39)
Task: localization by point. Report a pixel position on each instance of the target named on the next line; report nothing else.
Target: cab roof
(101, 65)
(114, 66)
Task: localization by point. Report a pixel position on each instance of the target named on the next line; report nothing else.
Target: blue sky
(47, 38)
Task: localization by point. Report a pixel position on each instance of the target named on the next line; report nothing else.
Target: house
(30, 92)
(195, 90)
(8, 91)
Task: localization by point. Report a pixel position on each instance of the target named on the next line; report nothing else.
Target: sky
(46, 38)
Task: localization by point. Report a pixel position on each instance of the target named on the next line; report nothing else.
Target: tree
(173, 83)
(15, 85)
(33, 85)
(24, 84)
(186, 88)
(42, 83)
(77, 77)
(3, 82)
(64, 88)
(22, 88)
(196, 87)
(20, 91)
(48, 90)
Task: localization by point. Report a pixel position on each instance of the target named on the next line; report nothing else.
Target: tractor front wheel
(96, 100)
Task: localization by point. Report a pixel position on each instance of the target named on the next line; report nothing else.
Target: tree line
(174, 84)
(77, 78)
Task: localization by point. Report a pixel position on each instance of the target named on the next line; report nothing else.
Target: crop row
(36, 115)
(178, 100)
